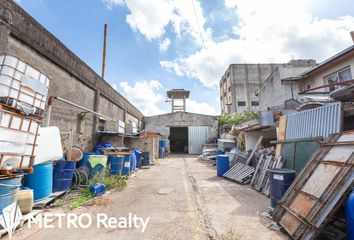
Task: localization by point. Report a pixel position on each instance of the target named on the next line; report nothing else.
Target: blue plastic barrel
(163, 144)
(101, 145)
(162, 152)
(41, 180)
(126, 165)
(279, 181)
(63, 175)
(116, 164)
(133, 162)
(98, 189)
(349, 207)
(222, 165)
(84, 160)
(138, 157)
(146, 159)
(220, 152)
(9, 188)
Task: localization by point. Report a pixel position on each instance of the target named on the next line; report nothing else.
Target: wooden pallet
(48, 200)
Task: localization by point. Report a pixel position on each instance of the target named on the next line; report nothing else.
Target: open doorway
(179, 139)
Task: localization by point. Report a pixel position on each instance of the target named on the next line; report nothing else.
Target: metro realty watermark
(53, 220)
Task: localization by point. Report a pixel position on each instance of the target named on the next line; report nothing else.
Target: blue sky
(157, 45)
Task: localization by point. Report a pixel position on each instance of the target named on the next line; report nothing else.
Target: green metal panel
(288, 150)
(298, 152)
(303, 153)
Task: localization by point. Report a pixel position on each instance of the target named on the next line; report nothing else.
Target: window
(255, 103)
(341, 75)
(241, 103)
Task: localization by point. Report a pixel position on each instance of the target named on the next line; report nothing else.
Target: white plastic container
(49, 146)
(114, 126)
(18, 136)
(22, 86)
(25, 200)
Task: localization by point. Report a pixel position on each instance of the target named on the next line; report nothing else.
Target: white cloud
(114, 86)
(144, 95)
(268, 31)
(165, 44)
(200, 107)
(230, 3)
(111, 3)
(151, 18)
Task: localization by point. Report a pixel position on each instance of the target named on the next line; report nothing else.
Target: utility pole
(104, 51)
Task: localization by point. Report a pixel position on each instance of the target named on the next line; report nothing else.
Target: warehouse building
(185, 132)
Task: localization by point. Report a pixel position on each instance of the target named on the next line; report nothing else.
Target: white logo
(11, 218)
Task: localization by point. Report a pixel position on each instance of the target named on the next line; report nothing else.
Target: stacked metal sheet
(225, 144)
(260, 179)
(209, 151)
(240, 173)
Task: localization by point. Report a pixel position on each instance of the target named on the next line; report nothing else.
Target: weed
(111, 182)
(230, 235)
(85, 196)
(59, 203)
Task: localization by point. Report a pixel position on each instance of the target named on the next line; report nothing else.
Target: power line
(199, 26)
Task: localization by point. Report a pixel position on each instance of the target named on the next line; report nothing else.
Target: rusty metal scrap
(319, 189)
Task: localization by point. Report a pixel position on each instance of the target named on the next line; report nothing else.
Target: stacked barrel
(23, 93)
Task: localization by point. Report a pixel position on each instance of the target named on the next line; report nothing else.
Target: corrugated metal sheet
(266, 118)
(197, 137)
(318, 122)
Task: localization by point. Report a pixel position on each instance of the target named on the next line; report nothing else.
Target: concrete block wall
(70, 77)
(162, 123)
(241, 82)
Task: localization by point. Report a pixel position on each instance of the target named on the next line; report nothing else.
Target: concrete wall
(162, 123)
(251, 138)
(273, 92)
(70, 77)
(240, 83)
(318, 78)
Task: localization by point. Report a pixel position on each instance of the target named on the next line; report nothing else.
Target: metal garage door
(197, 137)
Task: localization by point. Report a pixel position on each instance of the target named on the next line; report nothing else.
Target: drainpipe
(50, 103)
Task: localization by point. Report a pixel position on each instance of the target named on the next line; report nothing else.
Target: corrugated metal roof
(318, 122)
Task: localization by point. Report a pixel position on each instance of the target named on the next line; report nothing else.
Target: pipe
(104, 52)
(50, 103)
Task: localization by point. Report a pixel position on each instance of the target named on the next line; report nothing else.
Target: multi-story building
(239, 85)
(280, 89)
(305, 82)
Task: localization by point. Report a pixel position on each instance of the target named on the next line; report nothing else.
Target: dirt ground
(183, 198)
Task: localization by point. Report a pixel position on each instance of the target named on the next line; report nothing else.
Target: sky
(157, 45)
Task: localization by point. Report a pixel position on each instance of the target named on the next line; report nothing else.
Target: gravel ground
(183, 199)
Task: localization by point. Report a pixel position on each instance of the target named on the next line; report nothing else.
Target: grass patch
(237, 119)
(59, 203)
(85, 196)
(111, 182)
